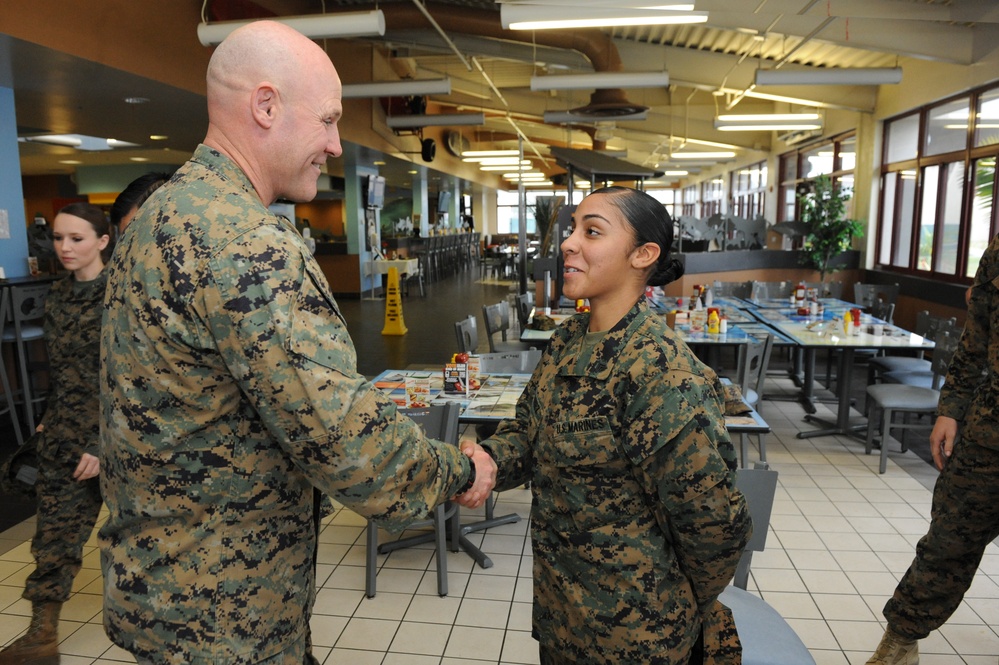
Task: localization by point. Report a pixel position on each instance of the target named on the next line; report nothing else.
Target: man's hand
(485, 476)
(942, 440)
(88, 467)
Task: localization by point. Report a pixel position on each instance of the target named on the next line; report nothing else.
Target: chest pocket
(319, 333)
(592, 483)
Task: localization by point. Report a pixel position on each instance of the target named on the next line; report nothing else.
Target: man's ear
(264, 104)
(645, 255)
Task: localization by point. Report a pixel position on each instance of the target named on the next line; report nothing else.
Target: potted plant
(822, 210)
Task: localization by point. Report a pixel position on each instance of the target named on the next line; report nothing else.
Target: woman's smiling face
(597, 254)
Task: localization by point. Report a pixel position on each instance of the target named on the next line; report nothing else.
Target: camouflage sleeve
(688, 480)
(510, 446)
(280, 334)
(965, 373)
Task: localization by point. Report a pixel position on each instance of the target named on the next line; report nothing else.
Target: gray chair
(754, 358)
(866, 295)
(497, 320)
(513, 362)
(525, 303)
(467, 332)
(733, 289)
(926, 326)
(8, 393)
(827, 289)
(767, 639)
(884, 400)
(439, 422)
(22, 326)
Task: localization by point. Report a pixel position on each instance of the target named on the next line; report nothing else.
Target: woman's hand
(88, 467)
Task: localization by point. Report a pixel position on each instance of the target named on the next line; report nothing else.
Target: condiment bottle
(713, 322)
(847, 322)
(723, 325)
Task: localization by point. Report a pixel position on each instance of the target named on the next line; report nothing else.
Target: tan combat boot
(895, 650)
(40, 645)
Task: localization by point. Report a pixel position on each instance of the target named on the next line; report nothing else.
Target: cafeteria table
(814, 335)
(494, 399)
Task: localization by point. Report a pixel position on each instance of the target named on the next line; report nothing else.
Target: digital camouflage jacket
(229, 390)
(971, 391)
(636, 522)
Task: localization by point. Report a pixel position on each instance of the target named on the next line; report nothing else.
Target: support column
(13, 227)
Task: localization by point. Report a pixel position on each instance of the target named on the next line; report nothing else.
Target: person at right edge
(636, 523)
(229, 384)
(964, 516)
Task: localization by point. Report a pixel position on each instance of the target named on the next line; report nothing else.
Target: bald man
(229, 384)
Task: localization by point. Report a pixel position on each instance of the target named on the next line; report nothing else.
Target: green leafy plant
(829, 233)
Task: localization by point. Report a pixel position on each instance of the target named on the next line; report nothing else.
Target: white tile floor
(841, 537)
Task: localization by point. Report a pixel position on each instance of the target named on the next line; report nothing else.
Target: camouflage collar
(601, 361)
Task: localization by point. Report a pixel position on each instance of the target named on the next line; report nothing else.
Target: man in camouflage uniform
(965, 512)
(636, 525)
(229, 384)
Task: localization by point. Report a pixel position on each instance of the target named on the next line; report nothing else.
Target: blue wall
(13, 250)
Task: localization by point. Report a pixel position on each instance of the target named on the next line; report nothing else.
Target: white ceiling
(711, 68)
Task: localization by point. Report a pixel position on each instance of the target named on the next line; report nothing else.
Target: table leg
(842, 424)
(464, 543)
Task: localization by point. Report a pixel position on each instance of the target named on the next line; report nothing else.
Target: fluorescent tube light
(768, 122)
(721, 154)
(830, 76)
(442, 120)
(601, 80)
(398, 88)
(314, 26)
(469, 155)
(540, 17)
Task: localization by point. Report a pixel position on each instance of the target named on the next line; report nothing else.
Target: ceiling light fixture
(764, 122)
(721, 154)
(601, 80)
(442, 120)
(830, 76)
(513, 160)
(410, 88)
(470, 155)
(540, 17)
(314, 26)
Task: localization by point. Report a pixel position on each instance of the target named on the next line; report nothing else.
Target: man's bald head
(272, 95)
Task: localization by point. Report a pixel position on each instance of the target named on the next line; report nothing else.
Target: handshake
(485, 476)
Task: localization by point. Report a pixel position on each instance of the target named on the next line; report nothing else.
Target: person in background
(964, 517)
(636, 523)
(67, 488)
(229, 386)
(134, 195)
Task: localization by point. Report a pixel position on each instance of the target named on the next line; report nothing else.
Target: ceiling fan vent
(609, 103)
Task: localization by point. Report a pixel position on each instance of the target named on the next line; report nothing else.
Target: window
(712, 195)
(938, 177)
(836, 157)
(749, 187)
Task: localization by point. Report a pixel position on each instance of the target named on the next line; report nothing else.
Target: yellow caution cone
(394, 325)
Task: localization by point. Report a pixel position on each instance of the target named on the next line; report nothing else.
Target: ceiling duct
(595, 45)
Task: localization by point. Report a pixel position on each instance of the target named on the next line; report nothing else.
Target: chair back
(943, 353)
(514, 362)
(754, 359)
(28, 302)
(733, 289)
(497, 320)
(884, 311)
(467, 332)
(439, 421)
(758, 485)
(827, 289)
(525, 302)
(866, 295)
